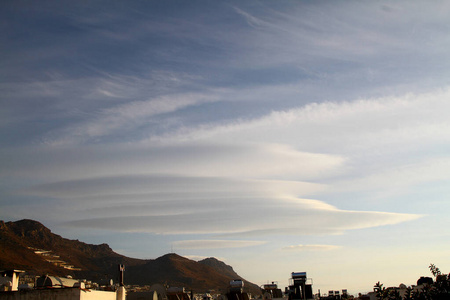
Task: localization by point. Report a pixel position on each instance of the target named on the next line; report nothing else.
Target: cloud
(163, 187)
(183, 205)
(232, 177)
(215, 244)
(99, 105)
(397, 179)
(136, 112)
(236, 214)
(311, 247)
(251, 20)
(124, 117)
(335, 127)
(159, 204)
(225, 160)
(226, 221)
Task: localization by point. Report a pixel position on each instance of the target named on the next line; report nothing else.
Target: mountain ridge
(29, 245)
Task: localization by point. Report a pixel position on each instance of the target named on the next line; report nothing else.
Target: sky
(277, 136)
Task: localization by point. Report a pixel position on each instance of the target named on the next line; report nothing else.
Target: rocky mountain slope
(28, 245)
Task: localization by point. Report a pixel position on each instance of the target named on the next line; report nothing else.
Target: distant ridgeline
(28, 245)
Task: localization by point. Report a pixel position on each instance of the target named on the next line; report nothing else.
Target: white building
(55, 288)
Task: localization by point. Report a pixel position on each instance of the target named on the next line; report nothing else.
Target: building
(54, 288)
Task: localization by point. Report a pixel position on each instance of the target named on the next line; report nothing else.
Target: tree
(438, 290)
(441, 286)
(380, 291)
(408, 293)
(434, 270)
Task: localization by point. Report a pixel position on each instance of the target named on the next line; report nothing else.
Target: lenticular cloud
(184, 205)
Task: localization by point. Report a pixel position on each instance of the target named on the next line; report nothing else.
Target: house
(54, 288)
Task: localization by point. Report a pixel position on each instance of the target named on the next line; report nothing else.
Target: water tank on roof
(80, 285)
(105, 282)
(270, 286)
(236, 283)
(298, 275)
(175, 290)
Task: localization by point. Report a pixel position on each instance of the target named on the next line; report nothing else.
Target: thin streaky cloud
(251, 20)
(130, 115)
(215, 244)
(286, 217)
(414, 111)
(311, 248)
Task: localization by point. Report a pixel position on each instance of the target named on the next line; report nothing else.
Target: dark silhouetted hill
(220, 265)
(28, 245)
(175, 270)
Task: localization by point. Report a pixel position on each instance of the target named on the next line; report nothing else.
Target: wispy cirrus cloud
(215, 244)
(398, 179)
(81, 106)
(134, 114)
(337, 125)
(311, 247)
(251, 20)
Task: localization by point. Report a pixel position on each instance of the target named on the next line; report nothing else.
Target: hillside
(176, 270)
(219, 265)
(22, 239)
(28, 245)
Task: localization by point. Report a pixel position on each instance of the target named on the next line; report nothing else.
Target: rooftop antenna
(121, 271)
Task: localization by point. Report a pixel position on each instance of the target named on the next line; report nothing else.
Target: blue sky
(277, 136)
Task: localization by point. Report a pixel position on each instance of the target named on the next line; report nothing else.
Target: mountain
(220, 265)
(28, 245)
(21, 241)
(176, 270)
